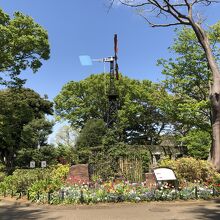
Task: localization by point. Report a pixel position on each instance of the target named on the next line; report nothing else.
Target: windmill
(113, 76)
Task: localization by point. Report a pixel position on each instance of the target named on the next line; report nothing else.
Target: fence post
(49, 197)
(62, 195)
(213, 191)
(196, 192)
(28, 195)
(81, 196)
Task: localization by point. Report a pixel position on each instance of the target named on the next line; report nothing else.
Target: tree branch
(134, 5)
(160, 25)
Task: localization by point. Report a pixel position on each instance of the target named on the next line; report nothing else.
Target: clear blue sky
(77, 27)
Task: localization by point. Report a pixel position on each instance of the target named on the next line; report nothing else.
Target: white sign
(43, 164)
(164, 174)
(32, 164)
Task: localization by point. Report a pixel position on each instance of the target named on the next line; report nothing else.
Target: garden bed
(115, 193)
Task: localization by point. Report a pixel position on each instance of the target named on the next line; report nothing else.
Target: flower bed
(121, 192)
(50, 186)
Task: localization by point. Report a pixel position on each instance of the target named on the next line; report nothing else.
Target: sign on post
(43, 164)
(32, 164)
(163, 174)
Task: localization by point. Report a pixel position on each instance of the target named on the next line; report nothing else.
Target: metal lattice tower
(112, 92)
(113, 76)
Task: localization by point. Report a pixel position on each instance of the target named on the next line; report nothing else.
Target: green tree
(92, 133)
(186, 78)
(23, 44)
(138, 116)
(184, 12)
(66, 154)
(198, 143)
(90, 137)
(22, 122)
(45, 153)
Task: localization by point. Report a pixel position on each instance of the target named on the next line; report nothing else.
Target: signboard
(32, 164)
(43, 164)
(164, 174)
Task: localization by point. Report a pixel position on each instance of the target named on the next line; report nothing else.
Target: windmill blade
(85, 60)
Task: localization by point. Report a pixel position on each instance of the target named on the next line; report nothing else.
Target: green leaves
(187, 78)
(138, 114)
(23, 44)
(22, 121)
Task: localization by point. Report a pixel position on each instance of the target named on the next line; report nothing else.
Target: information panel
(164, 174)
(32, 164)
(43, 164)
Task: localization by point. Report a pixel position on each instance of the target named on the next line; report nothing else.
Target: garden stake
(12, 194)
(5, 193)
(38, 195)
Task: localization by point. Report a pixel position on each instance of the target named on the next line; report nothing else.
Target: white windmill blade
(85, 60)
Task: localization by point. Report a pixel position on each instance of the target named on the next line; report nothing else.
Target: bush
(2, 172)
(52, 183)
(22, 179)
(189, 169)
(38, 179)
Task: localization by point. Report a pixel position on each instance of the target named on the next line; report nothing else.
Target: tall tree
(23, 44)
(184, 12)
(138, 116)
(22, 122)
(186, 78)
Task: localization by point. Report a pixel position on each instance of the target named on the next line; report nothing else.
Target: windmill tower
(113, 76)
(112, 92)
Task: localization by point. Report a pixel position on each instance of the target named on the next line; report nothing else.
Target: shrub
(38, 179)
(2, 172)
(51, 183)
(189, 169)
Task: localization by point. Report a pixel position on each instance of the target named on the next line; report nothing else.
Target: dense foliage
(35, 180)
(23, 123)
(23, 44)
(188, 82)
(137, 113)
(191, 170)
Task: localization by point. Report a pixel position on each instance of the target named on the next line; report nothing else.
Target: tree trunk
(9, 162)
(214, 94)
(215, 149)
